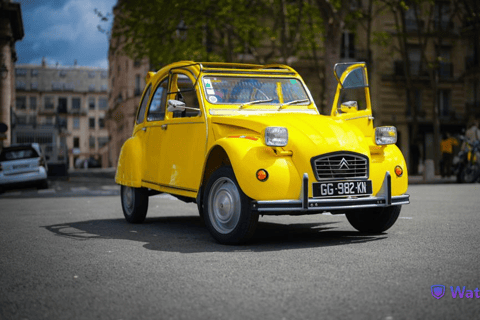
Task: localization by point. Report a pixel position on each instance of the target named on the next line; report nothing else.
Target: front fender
(247, 155)
(129, 164)
(387, 161)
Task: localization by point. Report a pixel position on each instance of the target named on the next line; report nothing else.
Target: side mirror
(175, 105)
(349, 107)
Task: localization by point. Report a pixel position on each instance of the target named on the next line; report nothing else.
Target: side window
(157, 106)
(186, 93)
(143, 106)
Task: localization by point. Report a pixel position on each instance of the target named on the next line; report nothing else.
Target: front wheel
(134, 203)
(226, 209)
(375, 220)
(470, 173)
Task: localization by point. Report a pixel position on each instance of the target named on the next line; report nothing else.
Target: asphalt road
(76, 258)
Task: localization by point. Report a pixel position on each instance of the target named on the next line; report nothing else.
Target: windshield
(18, 153)
(254, 91)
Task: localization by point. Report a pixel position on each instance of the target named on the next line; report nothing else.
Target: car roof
(198, 68)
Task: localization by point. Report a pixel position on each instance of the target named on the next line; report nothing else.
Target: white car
(23, 165)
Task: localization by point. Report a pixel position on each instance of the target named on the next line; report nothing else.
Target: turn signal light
(262, 175)
(398, 171)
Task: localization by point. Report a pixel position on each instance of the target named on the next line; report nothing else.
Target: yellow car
(244, 140)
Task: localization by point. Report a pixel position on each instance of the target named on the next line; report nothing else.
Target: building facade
(63, 108)
(11, 30)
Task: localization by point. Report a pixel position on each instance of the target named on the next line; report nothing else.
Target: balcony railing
(445, 70)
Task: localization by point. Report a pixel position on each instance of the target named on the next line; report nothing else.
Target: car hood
(308, 134)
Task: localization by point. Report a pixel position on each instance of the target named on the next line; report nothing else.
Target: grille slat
(341, 166)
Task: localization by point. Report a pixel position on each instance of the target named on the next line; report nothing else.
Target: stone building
(11, 30)
(63, 108)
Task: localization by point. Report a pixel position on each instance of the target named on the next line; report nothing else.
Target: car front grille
(340, 166)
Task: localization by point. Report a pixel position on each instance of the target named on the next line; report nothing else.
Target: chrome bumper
(307, 205)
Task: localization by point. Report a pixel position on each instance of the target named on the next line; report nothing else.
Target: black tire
(470, 173)
(375, 220)
(134, 203)
(226, 209)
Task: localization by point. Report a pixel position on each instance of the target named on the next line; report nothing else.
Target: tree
(333, 14)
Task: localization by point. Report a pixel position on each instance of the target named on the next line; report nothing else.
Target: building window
(76, 103)
(33, 103)
(102, 104)
(32, 120)
(21, 103)
(102, 141)
(91, 103)
(442, 16)
(91, 88)
(20, 85)
(62, 105)
(444, 102)
(348, 45)
(76, 123)
(20, 72)
(91, 123)
(91, 74)
(101, 123)
(103, 88)
(48, 102)
(76, 142)
(62, 73)
(34, 72)
(91, 142)
(49, 121)
(104, 74)
(21, 120)
(137, 85)
(34, 85)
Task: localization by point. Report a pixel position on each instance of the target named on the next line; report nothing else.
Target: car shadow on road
(189, 235)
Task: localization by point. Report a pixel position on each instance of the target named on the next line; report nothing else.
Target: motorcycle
(466, 165)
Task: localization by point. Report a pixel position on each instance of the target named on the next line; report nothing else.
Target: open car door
(352, 99)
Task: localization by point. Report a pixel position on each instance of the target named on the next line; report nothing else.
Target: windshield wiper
(253, 102)
(291, 102)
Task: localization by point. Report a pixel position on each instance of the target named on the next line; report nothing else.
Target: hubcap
(127, 194)
(224, 205)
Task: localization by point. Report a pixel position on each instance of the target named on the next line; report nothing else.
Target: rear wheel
(226, 209)
(375, 220)
(134, 203)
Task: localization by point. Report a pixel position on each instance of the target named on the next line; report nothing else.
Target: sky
(63, 31)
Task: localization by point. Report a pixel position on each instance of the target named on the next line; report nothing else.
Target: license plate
(342, 188)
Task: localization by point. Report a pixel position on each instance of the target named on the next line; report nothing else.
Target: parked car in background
(246, 140)
(23, 165)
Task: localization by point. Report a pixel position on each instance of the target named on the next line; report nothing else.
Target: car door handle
(164, 127)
